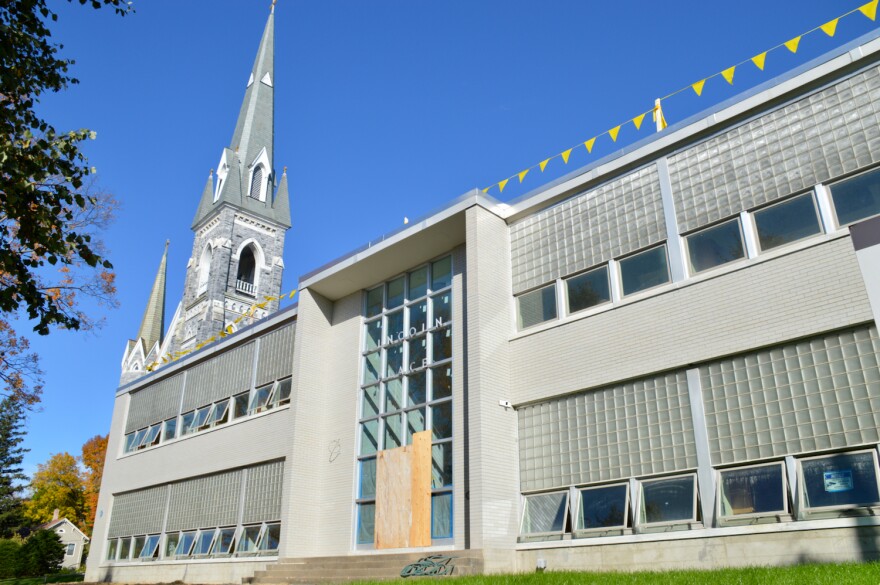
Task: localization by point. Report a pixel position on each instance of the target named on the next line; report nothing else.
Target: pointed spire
(281, 204)
(153, 323)
(207, 199)
(256, 119)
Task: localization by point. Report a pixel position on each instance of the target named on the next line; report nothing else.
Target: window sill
(188, 561)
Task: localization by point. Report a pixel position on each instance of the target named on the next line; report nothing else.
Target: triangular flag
(502, 185)
(728, 74)
(758, 60)
(589, 144)
(486, 190)
(869, 9)
(565, 156)
(613, 133)
(544, 164)
(792, 45)
(830, 27)
(698, 86)
(637, 121)
(293, 292)
(522, 175)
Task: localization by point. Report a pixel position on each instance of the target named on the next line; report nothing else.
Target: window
(169, 429)
(282, 392)
(256, 183)
(137, 546)
(545, 514)
(172, 541)
(644, 270)
(588, 289)
(125, 548)
(224, 542)
(270, 538)
(218, 414)
(245, 276)
(240, 405)
(670, 500)
(787, 222)
(71, 547)
(752, 491)
(603, 508)
(715, 246)
(185, 543)
(151, 437)
(203, 542)
(536, 307)
(844, 480)
(260, 399)
(857, 198)
(150, 547)
(112, 549)
(250, 538)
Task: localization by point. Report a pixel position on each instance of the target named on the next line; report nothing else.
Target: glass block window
(787, 222)
(844, 480)
(857, 198)
(544, 514)
(758, 490)
(535, 307)
(406, 384)
(715, 246)
(588, 289)
(603, 507)
(644, 270)
(669, 500)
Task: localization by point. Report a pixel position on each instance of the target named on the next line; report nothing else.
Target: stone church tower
(241, 220)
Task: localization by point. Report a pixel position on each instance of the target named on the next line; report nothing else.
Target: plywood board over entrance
(403, 495)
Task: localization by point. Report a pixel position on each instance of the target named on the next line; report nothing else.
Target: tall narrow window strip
(256, 183)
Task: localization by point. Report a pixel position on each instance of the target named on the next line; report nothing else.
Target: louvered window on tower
(256, 182)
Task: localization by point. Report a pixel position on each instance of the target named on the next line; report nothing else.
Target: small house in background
(73, 539)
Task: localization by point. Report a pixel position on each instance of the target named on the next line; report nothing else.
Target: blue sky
(384, 109)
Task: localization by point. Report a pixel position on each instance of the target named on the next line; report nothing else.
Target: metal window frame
(620, 269)
(580, 531)
(231, 548)
(680, 522)
(755, 212)
(830, 188)
(525, 506)
(691, 270)
(802, 487)
(520, 296)
(565, 289)
(181, 538)
(200, 533)
(719, 494)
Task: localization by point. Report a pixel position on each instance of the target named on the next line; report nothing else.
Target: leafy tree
(57, 484)
(93, 452)
(40, 554)
(11, 456)
(8, 557)
(49, 257)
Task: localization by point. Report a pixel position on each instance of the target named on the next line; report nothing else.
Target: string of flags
(869, 10)
(228, 330)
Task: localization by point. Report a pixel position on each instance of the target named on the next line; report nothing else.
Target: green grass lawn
(57, 578)
(840, 574)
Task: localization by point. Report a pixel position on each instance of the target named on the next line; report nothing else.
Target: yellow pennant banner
(759, 60)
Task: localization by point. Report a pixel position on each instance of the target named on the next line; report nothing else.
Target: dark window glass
(374, 334)
(787, 222)
(857, 198)
(536, 307)
(755, 490)
(368, 479)
(418, 282)
(441, 516)
(256, 183)
(715, 246)
(395, 293)
(366, 523)
(588, 289)
(374, 301)
(644, 270)
(603, 507)
(441, 420)
(441, 465)
(441, 382)
(240, 406)
(545, 513)
(415, 388)
(246, 266)
(441, 273)
(418, 316)
(441, 340)
(840, 480)
(668, 500)
(370, 405)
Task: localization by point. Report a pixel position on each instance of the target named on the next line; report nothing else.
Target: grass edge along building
(666, 359)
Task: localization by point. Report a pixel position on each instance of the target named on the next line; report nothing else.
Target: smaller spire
(207, 199)
(281, 203)
(153, 322)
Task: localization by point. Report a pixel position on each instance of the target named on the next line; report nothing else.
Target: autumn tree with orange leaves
(93, 452)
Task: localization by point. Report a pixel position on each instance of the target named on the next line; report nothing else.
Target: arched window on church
(204, 269)
(247, 264)
(256, 182)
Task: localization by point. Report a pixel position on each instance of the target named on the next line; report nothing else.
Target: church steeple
(145, 348)
(245, 175)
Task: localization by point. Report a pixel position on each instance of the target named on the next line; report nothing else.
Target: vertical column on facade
(866, 241)
(493, 484)
(673, 237)
(705, 473)
(459, 409)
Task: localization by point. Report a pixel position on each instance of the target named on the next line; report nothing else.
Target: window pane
(857, 198)
(261, 397)
(395, 293)
(248, 542)
(441, 516)
(418, 283)
(441, 342)
(415, 388)
(644, 270)
(366, 523)
(394, 331)
(241, 404)
(588, 289)
(129, 442)
(271, 537)
(139, 438)
(370, 406)
(169, 429)
(218, 413)
(715, 246)
(603, 507)
(373, 334)
(415, 423)
(545, 513)
(369, 437)
(137, 546)
(125, 548)
(223, 543)
(185, 543)
(442, 304)
(203, 542)
(441, 420)
(393, 432)
(374, 302)
(787, 222)
(754, 490)
(171, 542)
(441, 382)
(418, 352)
(282, 392)
(372, 363)
(393, 395)
(368, 479)
(187, 422)
(441, 273)
(847, 479)
(536, 307)
(418, 316)
(112, 547)
(668, 500)
(152, 436)
(393, 360)
(441, 465)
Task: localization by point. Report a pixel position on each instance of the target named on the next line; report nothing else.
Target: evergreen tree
(11, 456)
(40, 554)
